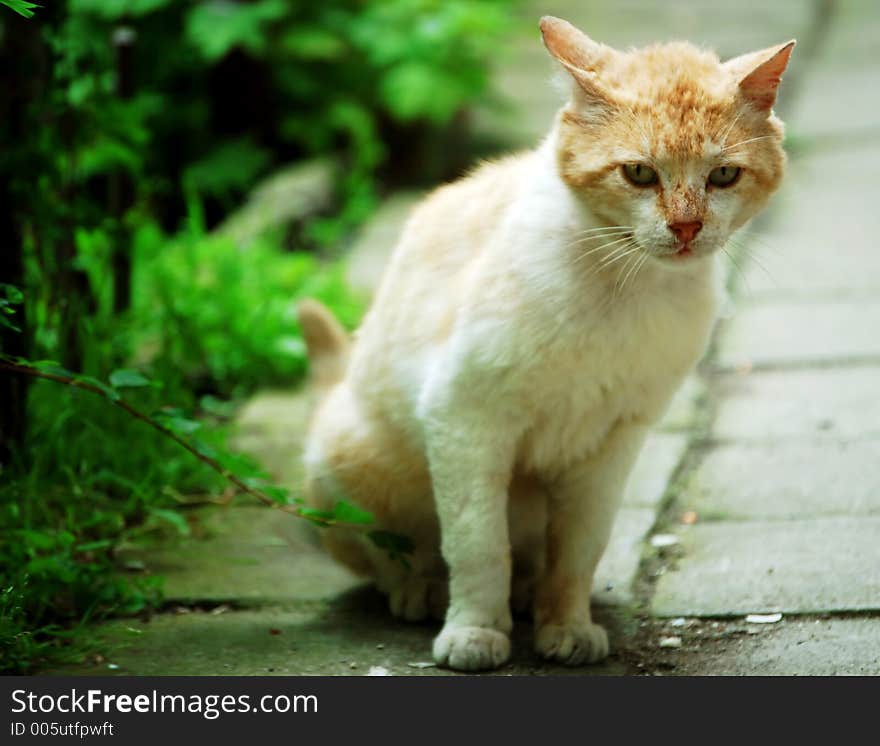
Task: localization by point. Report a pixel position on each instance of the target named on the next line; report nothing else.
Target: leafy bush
(224, 317)
(267, 80)
(111, 148)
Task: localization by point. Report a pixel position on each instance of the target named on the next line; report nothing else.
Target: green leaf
(280, 495)
(108, 391)
(113, 10)
(22, 7)
(321, 517)
(37, 540)
(234, 165)
(126, 377)
(394, 544)
(14, 296)
(177, 421)
(173, 518)
(347, 513)
(91, 546)
(218, 26)
(181, 425)
(313, 43)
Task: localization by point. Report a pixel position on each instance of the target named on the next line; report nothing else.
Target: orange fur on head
(671, 105)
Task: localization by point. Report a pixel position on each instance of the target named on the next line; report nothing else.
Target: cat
(535, 318)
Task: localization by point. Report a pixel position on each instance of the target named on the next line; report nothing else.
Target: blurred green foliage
(133, 128)
(220, 82)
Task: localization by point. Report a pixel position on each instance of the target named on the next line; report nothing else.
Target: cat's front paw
(471, 648)
(572, 645)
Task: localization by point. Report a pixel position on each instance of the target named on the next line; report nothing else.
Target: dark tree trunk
(13, 389)
(121, 184)
(22, 58)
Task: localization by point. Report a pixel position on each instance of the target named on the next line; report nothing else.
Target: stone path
(787, 484)
(765, 473)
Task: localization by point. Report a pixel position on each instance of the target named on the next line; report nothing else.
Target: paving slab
(619, 565)
(803, 566)
(805, 252)
(685, 407)
(249, 555)
(824, 403)
(343, 637)
(369, 254)
(793, 647)
(789, 481)
(259, 556)
(271, 426)
(654, 468)
(828, 92)
(781, 333)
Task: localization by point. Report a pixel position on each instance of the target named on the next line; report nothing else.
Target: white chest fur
(625, 366)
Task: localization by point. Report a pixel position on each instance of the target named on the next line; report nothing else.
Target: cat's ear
(760, 73)
(582, 57)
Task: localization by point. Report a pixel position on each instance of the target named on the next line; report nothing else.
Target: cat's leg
(583, 504)
(417, 588)
(471, 462)
(354, 457)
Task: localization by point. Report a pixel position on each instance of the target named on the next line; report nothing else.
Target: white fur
(543, 390)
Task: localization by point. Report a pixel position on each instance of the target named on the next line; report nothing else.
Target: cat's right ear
(760, 73)
(582, 57)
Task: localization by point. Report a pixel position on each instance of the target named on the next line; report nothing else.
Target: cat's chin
(683, 259)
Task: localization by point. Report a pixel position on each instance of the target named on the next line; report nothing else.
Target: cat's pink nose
(685, 232)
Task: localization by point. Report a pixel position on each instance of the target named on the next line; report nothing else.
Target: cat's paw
(471, 648)
(572, 645)
(415, 599)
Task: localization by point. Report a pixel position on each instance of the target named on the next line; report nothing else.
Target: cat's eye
(640, 174)
(724, 176)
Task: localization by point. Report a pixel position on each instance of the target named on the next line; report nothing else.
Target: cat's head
(667, 141)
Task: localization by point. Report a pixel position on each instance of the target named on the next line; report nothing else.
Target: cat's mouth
(681, 252)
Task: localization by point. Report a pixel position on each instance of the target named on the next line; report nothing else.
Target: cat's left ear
(760, 74)
(582, 57)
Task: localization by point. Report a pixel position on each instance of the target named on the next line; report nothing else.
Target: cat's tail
(326, 341)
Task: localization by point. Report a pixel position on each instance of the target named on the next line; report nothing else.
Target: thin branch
(207, 460)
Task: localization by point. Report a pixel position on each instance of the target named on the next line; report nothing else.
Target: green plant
(22, 7)
(57, 558)
(223, 317)
(132, 127)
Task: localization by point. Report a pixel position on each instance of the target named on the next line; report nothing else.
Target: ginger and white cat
(536, 317)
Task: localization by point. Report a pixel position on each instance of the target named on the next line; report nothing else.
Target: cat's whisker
(601, 248)
(634, 271)
(595, 249)
(751, 256)
(618, 287)
(745, 142)
(619, 254)
(609, 234)
(613, 253)
(646, 141)
(739, 269)
(606, 228)
(750, 236)
(600, 232)
(603, 235)
(729, 130)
